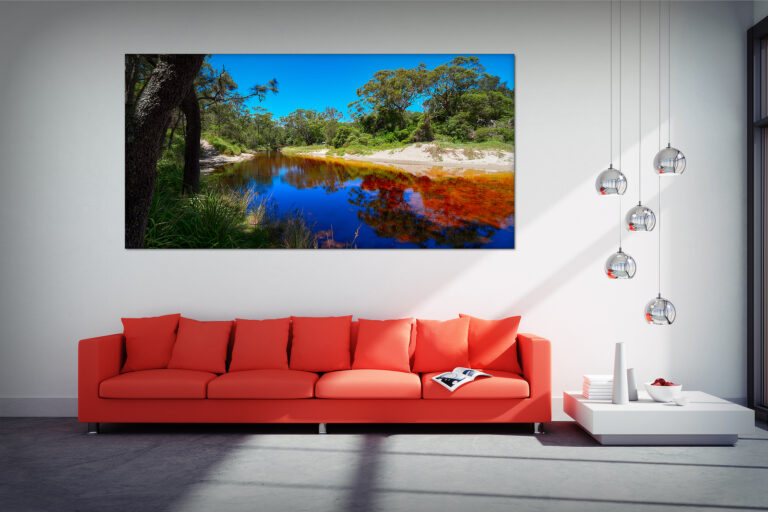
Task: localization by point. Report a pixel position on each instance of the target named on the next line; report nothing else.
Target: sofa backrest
(354, 330)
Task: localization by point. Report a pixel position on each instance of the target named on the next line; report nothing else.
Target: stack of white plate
(597, 387)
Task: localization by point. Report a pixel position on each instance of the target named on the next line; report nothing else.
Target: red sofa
(292, 396)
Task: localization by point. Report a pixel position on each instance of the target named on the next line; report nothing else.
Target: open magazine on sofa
(458, 377)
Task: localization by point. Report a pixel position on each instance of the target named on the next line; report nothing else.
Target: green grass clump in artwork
(297, 233)
(217, 216)
(225, 146)
(211, 219)
(302, 149)
(436, 148)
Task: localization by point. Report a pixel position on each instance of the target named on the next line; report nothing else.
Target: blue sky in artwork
(316, 81)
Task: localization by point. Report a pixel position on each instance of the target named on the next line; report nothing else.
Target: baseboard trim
(38, 407)
(557, 410)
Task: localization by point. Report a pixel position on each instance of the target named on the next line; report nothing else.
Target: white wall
(760, 10)
(65, 274)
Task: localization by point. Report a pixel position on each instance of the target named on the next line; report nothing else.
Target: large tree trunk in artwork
(191, 108)
(145, 128)
(174, 125)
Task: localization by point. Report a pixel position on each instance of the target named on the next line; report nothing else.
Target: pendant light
(669, 160)
(619, 265)
(660, 311)
(611, 181)
(640, 217)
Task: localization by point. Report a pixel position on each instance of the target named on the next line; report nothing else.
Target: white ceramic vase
(631, 385)
(620, 386)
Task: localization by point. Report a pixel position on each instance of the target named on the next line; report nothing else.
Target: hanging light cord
(659, 177)
(610, 66)
(639, 102)
(659, 74)
(620, 88)
(659, 276)
(669, 74)
(620, 227)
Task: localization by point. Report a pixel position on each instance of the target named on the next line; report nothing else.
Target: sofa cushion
(500, 385)
(363, 384)
(320, 344)
(275, 384)
(149, 341)
(355, 326)
(441, 346)
(157, 384)
(493, 343)
(201, 346)
(260, 344)
(383, 345)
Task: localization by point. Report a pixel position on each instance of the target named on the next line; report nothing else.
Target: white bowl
(663, 393)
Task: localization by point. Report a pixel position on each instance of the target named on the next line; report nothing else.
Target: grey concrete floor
(50, 464)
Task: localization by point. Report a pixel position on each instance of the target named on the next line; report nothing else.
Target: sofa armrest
(536, 361)
(97, 359)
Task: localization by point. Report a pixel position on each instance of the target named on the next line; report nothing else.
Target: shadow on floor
(208, 428)
(565, 433)
(51, 464)
(387, 429)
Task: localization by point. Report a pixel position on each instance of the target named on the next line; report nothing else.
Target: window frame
(757, 153)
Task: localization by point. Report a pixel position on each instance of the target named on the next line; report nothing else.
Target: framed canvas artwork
(312, 151)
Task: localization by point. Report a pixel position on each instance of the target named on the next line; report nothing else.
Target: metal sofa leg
(322, 428)
(93, 428)
(538, 428)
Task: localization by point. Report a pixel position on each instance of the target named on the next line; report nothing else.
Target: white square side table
(705, 420)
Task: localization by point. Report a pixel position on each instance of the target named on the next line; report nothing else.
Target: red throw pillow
(149, 341)
(441, 346)
(260, 345)
(493, 343)
(383, 345)
(201, 346)
(320, 344)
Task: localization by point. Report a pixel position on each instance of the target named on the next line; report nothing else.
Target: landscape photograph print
(313, 151)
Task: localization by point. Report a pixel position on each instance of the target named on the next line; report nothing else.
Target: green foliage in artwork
(459, 103)
(226, 146)
(458, 100)
(456, 106)
(297, 233)
(217, 217)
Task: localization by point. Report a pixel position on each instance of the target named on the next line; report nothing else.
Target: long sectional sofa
(242, 386)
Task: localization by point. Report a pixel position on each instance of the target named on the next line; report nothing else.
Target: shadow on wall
(598, 250)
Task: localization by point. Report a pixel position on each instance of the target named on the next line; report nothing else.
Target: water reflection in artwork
(380, 206)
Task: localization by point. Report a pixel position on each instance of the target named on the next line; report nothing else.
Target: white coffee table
(705, 420)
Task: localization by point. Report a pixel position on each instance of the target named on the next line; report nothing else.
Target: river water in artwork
(373, 206)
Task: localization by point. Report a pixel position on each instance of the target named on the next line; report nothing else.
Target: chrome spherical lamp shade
(620, 265)
(660, 311)
(669, 161)
(640, 218)
(611, 182)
